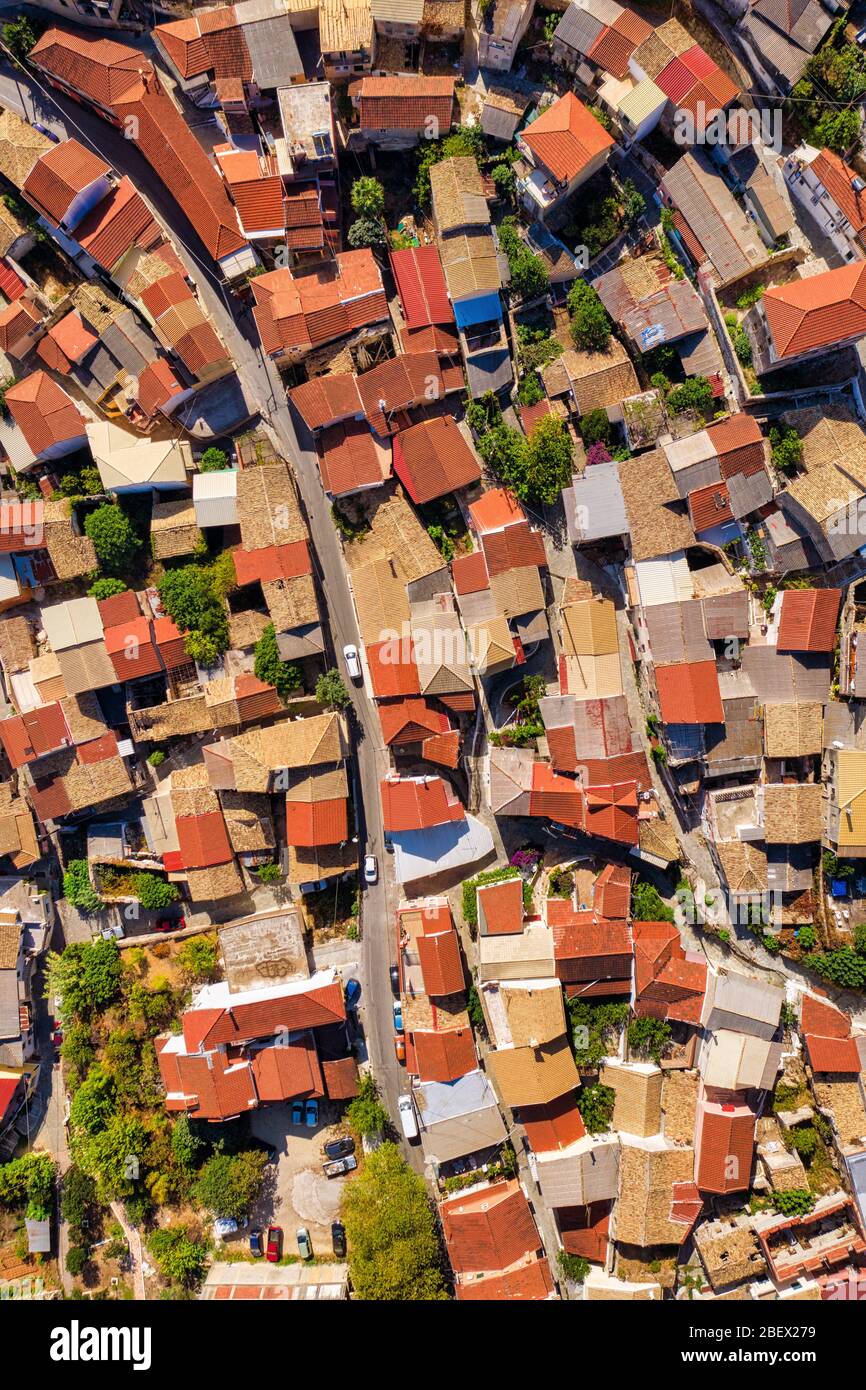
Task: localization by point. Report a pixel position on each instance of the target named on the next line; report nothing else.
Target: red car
(275, 1244)
(168, 925)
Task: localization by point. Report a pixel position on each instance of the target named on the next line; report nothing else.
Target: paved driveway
(296, 1192)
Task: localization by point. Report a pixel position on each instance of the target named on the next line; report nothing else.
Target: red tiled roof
(43, 412)
(611, 812)
(500, 906)
(723, 1149)
(341, 1078)
(612, 51)
(490, 1229)
(99, 69)
(298, 311)
(611, 892)
(311, 1008)
(739, 444)
(410, 720)
(436, 337)
(120, 608)
(131, 648)
(566, 137)
(444, 1056)
(170, 643)
(529, 1281)
(398, 383)
(710, 506)
(554, 1126)
(28, 736)
(442, 749)
(22, 526)
(292, 1069)
(166, 293)
(157, 384)
(117, 223)
(817, 1016)
(215, 1087)
(393, 670)
(315, 823)
(406, 103)
(557, 797)
(272, 562)
(807, 622)
(675, 81)
(632, 25)
(421, 286)
(433, 458)
(203, 840)
(256, 699)
(259, 202)
(583, 936)
(469, 573)
(837, 1055)
(349, 458)
(16, 321)
(689, 693)
(818, 311)
(10, 281)
(441, 966)
(59, 175)
(838, 179)
(183, 42)
(326, 399)
(584, 1230)
(66, 343)
(98, 750)
(531, 414)
(418, 803)
(515, 547)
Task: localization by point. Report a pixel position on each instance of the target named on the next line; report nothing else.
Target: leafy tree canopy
(331, 691)
(368, 198)
(590, 325)
(93, 1102)
(180, 1258)
(78, 888)
(106, 588)
(114, 538)
(228, 1184)
(213, 460)
(85, 978)
(394, 1252)
(269, 665)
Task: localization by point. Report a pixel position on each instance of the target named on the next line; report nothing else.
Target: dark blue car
(353, 992)
(256, 1243)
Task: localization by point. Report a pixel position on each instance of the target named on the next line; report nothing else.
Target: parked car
(860, 40)
(400, 1047)
(371, 868)
(256, 1247)
(297, 1112)
(339, 1148)
(305, 1245)
(408, 1122)
(353, 664)
(340, 1166)
(275, 1243)
(46, 130)
(352, 992)
(338, 1239)
(395, 979)
(398, 1016)
(170, 924)
(311, 1114)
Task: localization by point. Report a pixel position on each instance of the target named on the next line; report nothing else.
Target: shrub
(844, 967)
(529, 277)
(590, 325)
(786, 449)
(269, 665)
(198, 957)
(368, 197)
(228, 1184)
(213, 461)
(202, 649)
(156, 758)
(807, 937)
(366, 1114)
(77, 1256)
(596, 1104)
(797, 1201)
(86, 977)
(650, 1036)
(530, 391)
(153, 892)
(595, 427)
(367, 231)
(331, 691)
(574, 1268)
(179, 1257)
(190, 596)
(648, 906)
(93, 1102)
(804, 1141)
(78, 889)
(269, 873)
(113, 536)
(106, 588)
(695, 393)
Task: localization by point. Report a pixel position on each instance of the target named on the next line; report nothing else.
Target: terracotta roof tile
(566, 137)
(203, 840)
(417, 803)
(469, 573)
(724, 1149)
(421, 286)
(60, 175)
(490, 1229)
(839, 1055)
(441, 966)
(710, 506)
(28, 736)
(689, 693)
(838, 178)
(444, 1056)
(406, 103)
(392, 669)
(529, 1281)
(808, 620)
(433, 458)
(312, 1008)
(500, 907)
(817, 311)
(43, 412)
(116, 225)
(66, 343)
(410, 720)
(350, 458)
(314, 823)
(817, 1016)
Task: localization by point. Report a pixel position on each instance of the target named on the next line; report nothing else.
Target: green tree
(590, 325)
(797, 1201)
(368, 197)
(189, 596)
(185, 1144)
(366, 1114)
(394, 1252)
(649, 1036)
(198, 957)
(551, 459)
(529, 277)
(596, 1104)
(153, 892)
(28, 1182)
(804, 1141)
(213, 460)
(574, 1268)
(85, 978)
(366, 231)
(807, 937)
(695, 393)
(94, 1101)
(647, 904)
(228, 1184)
(19, 36)
(106, 588)
(114, 538)
(787, 449)
(202, 649)
(78, 889)
(77, 1048)
(269, 666)
(633, 203)
(78, 1204)
(113, 1156)
(269, 873)
(156, 758)
(77, 1258)
(595, 427)
(468, 140)
(178, 1255)
(844, 967)
(504, 181)
(860, 939)
(331, 691)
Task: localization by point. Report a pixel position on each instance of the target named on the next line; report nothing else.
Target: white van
(408, 1123)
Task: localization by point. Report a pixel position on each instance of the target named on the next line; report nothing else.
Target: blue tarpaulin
(485, 309)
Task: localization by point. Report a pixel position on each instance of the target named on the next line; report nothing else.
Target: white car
(408, 1123)
(371, 868)
(353, 664)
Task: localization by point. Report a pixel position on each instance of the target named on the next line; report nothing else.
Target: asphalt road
(264, 391)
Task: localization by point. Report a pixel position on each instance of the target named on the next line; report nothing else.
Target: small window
(322, 143)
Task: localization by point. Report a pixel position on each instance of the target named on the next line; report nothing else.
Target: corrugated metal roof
(215, 498)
